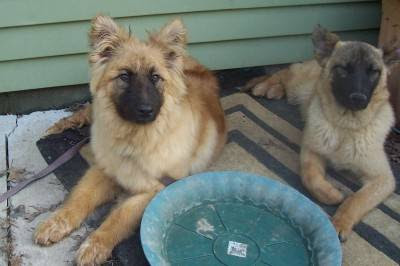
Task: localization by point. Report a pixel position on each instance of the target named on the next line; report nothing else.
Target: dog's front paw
(93, 252)
(275, 91)
(52, 230)
(343, 226)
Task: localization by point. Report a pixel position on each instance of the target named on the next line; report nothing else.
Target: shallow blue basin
(235, 218)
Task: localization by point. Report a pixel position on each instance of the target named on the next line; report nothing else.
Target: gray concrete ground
(31, 205)
(7, 126)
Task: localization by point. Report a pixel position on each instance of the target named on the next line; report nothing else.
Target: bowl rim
(158, 200)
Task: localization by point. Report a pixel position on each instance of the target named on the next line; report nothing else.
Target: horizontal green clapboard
(50, 50)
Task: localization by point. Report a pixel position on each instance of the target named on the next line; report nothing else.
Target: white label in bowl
(237, 249)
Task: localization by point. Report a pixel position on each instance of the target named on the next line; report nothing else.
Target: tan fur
(346, 139)
(186, 136)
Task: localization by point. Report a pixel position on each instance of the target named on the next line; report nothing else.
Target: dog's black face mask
(355, 77)
(139, 99)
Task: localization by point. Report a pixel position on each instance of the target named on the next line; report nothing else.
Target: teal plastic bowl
(235, 218)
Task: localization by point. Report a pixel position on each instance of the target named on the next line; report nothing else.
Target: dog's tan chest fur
(346, 148)
(137, 167)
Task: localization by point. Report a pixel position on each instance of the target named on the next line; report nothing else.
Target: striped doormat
(264, 138)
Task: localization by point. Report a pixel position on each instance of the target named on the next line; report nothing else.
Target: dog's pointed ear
(171, 39)
(324, 44)
(105, 37)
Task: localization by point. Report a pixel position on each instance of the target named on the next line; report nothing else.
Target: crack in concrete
(7, 155)
(9, 243)
(5, 223)
(7, 151)
(15, 127)
(10, 256)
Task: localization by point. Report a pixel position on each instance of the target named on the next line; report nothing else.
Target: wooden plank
(72, 69)
(31, 12)
(389, 41)
(71, 38)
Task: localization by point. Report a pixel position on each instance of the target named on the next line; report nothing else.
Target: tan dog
(344, 101)
(155, 112)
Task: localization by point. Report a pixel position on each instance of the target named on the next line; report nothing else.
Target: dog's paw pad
(55, 129)
(343, 228)
(52, 231)
(259, 90)
(92, 252)
(275, 92)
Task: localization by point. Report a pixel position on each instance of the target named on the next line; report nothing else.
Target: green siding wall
(43, 43)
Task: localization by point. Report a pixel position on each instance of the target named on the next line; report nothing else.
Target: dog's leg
(119, 225)
(92, 190)
(313, 178)
(271, 87)
(76, 120)
(360, 203)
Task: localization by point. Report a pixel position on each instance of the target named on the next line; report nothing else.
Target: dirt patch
(16, 175)
(20, 211)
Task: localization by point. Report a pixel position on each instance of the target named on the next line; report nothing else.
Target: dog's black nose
(359, 100)
(145, 109)
(358, 97)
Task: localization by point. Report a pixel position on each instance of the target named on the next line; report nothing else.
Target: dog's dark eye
(341, 71)
(155, 78)
(372, 70)
(125, 77)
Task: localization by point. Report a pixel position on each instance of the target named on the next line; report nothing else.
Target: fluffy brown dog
(155, 113)
(344, 101)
